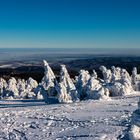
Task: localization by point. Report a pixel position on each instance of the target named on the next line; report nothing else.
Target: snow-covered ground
(85, 120)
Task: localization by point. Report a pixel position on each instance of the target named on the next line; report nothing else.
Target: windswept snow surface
(85, 120)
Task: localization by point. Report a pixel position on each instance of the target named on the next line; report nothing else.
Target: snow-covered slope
(86, 120)
(106, 111)
(134, 132)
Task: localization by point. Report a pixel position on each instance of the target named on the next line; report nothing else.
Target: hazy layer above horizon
(54, 54)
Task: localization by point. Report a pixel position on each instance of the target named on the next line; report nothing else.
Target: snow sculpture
(49, 81)
(81, 84)
(107, 75)
(67, 89)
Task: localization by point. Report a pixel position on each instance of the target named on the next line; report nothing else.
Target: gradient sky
(70, 23)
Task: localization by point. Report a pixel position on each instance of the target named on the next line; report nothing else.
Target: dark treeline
(73, 66)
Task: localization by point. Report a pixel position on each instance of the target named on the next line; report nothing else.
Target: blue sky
(70, 23)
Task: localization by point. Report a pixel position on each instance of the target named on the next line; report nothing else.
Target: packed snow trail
(86, 120)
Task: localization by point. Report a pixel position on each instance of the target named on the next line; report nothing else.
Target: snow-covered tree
(94, 74)
(11, 89)
(92, 87)
(63, 96)
(49, 81)
(126, 82)
(135, 79)
(102, 93)
(107, 75)
(116, 74)
(30, 88)
(3, 85)
(67, 86)
(81, 84)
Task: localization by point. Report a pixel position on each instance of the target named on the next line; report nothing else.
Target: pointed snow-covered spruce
(63, 96)
(31, 86)
(66, 91)
(49, 81)
(3, 85)
(11, 90)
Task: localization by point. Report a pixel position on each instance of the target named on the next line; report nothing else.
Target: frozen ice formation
(116, 82)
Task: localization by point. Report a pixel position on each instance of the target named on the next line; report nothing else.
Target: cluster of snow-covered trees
(115, 82)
